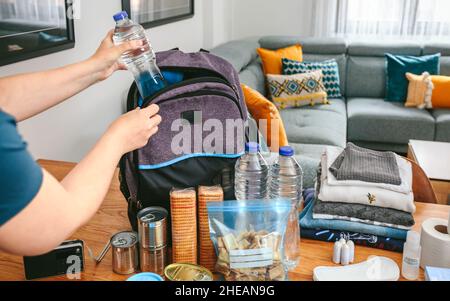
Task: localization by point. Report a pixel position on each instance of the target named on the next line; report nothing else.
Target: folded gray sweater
(357, 163)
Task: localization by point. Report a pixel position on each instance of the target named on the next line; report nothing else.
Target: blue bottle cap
(251, 147)
(145, 277)
(120, 16)
(286, 151)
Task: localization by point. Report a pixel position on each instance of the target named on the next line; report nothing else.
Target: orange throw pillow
(271, 59)
(441, 92)
(262, 109)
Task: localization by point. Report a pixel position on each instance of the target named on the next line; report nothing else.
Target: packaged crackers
(183, 206)
(207, 253)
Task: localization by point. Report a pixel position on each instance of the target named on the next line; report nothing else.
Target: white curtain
(385, 19)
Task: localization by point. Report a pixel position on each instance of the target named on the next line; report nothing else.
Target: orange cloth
(262, 109)
(441, 92)
(271, 59)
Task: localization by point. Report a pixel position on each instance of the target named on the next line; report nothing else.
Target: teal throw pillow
(398, 65)
(330, 70)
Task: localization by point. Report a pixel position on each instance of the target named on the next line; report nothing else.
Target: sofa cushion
(239, 53)
(442, 117)
(376, 120)
(321, 124)
(366, 77)
(380, 48)
(310, 45)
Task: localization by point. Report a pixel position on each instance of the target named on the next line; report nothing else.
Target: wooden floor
(112, 218)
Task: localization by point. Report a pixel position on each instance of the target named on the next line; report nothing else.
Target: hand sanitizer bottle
(411, 256)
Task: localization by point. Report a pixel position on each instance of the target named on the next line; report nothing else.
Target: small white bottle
(351, 246)
(345, 254)
(411, 256)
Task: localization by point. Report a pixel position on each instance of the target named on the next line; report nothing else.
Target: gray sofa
(362, 116)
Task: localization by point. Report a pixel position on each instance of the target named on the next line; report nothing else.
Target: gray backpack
(210, 90)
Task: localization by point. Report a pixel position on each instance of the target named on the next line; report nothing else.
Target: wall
(271, 17)
(69, 130)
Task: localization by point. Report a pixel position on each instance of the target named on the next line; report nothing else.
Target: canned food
(153, 260)
(152, 224)
(125, 252)
(187, 272)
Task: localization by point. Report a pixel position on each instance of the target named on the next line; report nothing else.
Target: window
(383, 18)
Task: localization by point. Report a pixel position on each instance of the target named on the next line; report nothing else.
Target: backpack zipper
(206, 92)
(219, 79)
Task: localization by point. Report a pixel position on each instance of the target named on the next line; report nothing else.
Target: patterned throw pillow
(330, 70)
(290, 91)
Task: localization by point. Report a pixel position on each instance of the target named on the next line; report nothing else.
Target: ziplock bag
(249, 239)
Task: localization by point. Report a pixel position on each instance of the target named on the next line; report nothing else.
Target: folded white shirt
(404, 166)
(364, 193)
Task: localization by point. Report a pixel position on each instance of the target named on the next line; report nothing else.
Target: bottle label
(411, 261)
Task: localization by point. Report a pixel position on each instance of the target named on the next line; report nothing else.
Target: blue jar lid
(251, 147)
(286, 151)
(145, 277)
(120, 16)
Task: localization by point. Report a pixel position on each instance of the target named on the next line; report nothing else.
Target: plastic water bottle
(286, 181)
(286, 177)
(141, 62)
(251, 174)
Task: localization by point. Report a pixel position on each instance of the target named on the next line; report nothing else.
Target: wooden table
(112, 217)
(434, 158)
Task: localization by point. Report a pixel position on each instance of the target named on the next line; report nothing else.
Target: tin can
(125, 252)
(152, 224)
(153, 260)
(187, 272)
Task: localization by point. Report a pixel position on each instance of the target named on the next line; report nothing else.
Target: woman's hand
(106, 58)
(133, 130)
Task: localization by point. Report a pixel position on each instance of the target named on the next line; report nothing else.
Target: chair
(422, 188)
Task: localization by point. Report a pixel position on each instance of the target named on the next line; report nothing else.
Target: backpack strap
(132, 181)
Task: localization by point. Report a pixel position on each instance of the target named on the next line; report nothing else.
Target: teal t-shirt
(20, 175)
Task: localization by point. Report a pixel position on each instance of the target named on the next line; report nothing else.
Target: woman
(37, 212)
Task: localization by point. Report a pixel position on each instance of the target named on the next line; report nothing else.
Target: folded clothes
(307, 221)
(357, 163)
(385, 217)
(366, 195)
(354, 219)
(368, 240)
(404, 166)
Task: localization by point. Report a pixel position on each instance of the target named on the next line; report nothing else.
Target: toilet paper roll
(435, 242)
(448, 226)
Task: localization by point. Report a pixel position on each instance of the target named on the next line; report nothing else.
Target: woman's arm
(59, 209)
(26, 95)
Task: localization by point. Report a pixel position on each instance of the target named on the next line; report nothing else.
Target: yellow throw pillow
(271, 59)
(290, 91)
(262, 109)
(420, 90)
(441, 92)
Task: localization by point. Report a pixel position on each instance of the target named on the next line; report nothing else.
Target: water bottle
(251, 174)
(286, 181)
(286, 177)
(141, 62)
